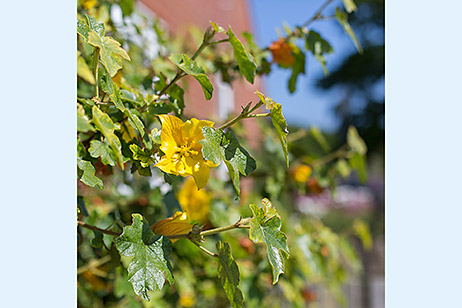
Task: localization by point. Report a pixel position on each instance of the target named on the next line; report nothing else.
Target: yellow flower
(183, 152)
(177, 224)
(88, 4)
(302, 173)
(194, 202)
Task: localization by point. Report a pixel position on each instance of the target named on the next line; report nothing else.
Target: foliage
(140, 159)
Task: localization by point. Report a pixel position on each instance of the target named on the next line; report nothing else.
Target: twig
(329, 157)
(85, 225)
(242, 115)
(204, 249)
(93, 264)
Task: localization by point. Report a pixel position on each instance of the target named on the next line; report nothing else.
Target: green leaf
(211, 143)
(318, 47)
(269, 103)
(190, 67)
(105, 125)
(83, 124)
(110, 52)
(217, 146)
(135, 121)
(96, 26)
(279, 122)
(88, 174)
(355, 142)
(143, 155)
(265, 227)
(298, 67)
(82, 29)
(100, 149)
(112, 90)
(350, 6)
(83, 71)
(126, 6)
(97, 241)
(245, 62)
(358, 162)
(229, 276)
(342, 18)
(149, 267)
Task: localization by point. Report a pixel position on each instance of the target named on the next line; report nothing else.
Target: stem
(317, 15)
(218, 42)
(108, 232)
(241, 116)
(204, 249)
(239, 224)
(259, 115)
(180, 73)
(93, 264)
(329, 157)
(95, 69)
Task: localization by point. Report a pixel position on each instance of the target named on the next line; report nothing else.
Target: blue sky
(306, 106)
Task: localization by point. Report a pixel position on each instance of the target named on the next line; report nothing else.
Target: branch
(331, 156)
(204, 249)
(108, 232)
(243, 115)
(93, 264)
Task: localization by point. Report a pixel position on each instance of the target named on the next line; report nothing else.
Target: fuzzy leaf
(228, 274)
(88, 174)
(144, 156)
(342, 18)
(265, 227)
(245, 62)
(190, 67)
(96, 26)
(111, 53)
(103, 150)
(318, 47)
(105, 125)
(149, 267)
(217, 146)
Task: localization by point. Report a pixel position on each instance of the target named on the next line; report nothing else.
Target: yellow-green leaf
(83, 71)
(111, 53)
(350, 6)
(87, 175)
(105, 125)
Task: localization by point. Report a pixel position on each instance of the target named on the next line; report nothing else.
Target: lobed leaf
(105, 125)
(190, 67)
(144, 156)
(218, 146)
(88, 174)
(247, 66)
(103, 150)
(228, 274)
(265, 227)
(111, 53)
(149, 268)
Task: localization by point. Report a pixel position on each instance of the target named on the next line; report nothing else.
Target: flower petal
(192, 129)
(177, 224)
(194, 202)
(170, 136)
(201, 174)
